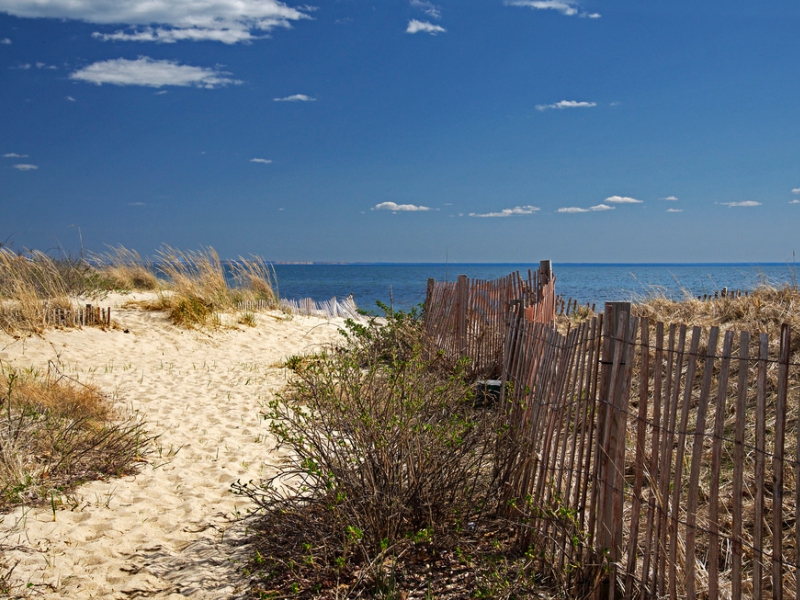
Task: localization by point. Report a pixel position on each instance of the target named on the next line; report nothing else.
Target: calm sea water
(403, 285)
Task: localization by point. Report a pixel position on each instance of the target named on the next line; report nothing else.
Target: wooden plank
(761, 423)
(674, 363)
(716, 463)
(738, 466)
(697, 455)
(777, 464)
(639, 461)
(654, 454)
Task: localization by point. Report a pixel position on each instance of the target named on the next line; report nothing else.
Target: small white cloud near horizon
(14, 155)
(745, 204)
(394, 207)
(517, 211)
(566, 104)
(296, 98)
(569, 8)
(794, 202)
(796, 190)
(263, 161)
(674, 210)
(623, 200)
(25, 167)
(428, 8)
(577, 209)
(415, 26)
(671, 198)
(149, 72)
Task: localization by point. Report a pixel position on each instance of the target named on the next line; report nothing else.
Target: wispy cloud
(428, 8)
(263, 161)
(565, 104)
(6, 42)
(152, 73)
(674, 210)
(70, 99)
(794, 202)
(569, 8)
(796, 191)
(394, 207)
(296, 98)
(622, 200)
(577, 209)
(415, 26)
(25, 167)
(226, 21)
(671, 198)
(745, 204)
(14, 155)
(22, 67)
(517, 211)
(136, 204)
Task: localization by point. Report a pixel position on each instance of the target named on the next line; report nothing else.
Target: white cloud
(296, 98)
(674, 210)
(428, 8)
(394, 207)
(70, 99)
(517, 211)
(796, 191)
(152, 73)
(6, 42)
(671, 198)
(569, 8)
(263, 161)
(22, 67)
(795, 202)
(566, 104)
(746, 204)
(14, 155)
(622, 200)
(415, 26)
(41, 65)
(227, 21)
(577, 209)
(24, 167)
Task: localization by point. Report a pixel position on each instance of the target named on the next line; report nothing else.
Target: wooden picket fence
(654, 461)
(470, 318)
(60, 316)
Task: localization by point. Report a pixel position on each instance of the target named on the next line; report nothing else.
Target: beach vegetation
(123, 269)
(57, 433)
(390, 479)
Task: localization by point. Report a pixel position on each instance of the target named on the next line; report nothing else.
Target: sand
(171, 531)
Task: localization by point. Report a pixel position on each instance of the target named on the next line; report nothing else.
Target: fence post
(462, 297)
(428, 297)
(611, 427)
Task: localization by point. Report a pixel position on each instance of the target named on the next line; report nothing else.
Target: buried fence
(655, 461)
(57, 316)
(471, 317)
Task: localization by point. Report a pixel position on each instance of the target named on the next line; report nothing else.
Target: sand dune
(169, 531)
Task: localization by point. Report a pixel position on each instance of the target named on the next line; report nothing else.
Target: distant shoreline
(512, 264)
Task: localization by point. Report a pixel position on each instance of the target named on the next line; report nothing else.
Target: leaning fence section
(470, 318)
(654, 461)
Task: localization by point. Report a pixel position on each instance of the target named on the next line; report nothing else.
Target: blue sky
(408, 131)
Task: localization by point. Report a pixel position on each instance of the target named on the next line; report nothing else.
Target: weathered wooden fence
(61, 316)
(655, 461)
(470, 318)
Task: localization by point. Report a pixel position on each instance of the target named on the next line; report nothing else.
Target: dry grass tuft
(56, 434)
(124, 269)
(33, 283)
(199, 290)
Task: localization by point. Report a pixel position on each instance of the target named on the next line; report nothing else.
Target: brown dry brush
(56, 434)
(388, 482)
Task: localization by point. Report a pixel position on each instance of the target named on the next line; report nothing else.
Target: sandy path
(165, 533)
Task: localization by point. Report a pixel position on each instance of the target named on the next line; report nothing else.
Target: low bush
(389, 466)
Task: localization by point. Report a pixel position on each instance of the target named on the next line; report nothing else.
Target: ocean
(403, 285)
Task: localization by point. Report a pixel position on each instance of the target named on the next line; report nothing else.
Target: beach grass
(57, 433)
